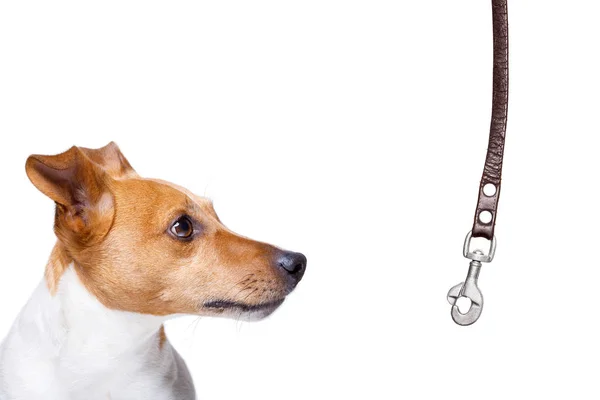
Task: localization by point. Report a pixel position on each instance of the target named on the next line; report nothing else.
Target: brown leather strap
(492, 171)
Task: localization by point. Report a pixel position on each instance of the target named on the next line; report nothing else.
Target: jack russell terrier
(131, 252)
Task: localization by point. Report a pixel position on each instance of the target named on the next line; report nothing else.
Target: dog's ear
(81, 190)
(111, 160)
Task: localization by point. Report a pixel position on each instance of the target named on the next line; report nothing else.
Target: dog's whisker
(250, 294)
(241, 282)
(196, 322)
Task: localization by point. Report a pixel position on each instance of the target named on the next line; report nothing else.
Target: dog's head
(152, 247)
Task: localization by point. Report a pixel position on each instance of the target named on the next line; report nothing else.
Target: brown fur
(57, 265)
(114, 226)
(162, 337)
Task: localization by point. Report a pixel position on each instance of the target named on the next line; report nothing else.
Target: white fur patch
(105, 204)
(69, 346)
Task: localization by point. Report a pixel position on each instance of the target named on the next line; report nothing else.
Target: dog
(131, 253)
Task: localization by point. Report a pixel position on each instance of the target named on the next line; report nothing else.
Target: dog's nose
(293, 263)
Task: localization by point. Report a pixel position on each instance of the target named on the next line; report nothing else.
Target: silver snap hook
(470, 290)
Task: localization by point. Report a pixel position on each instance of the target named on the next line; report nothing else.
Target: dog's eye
(182, 228)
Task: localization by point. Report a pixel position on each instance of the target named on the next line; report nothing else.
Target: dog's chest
(92, 371)
(70, 346)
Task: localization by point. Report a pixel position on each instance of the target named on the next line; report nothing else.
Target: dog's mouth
(261, 310)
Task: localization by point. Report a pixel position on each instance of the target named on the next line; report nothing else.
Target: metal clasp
(469, 288)
(479, 255)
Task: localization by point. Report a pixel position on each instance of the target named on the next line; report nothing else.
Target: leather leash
(489, 187)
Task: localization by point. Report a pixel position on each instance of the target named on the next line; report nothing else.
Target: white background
(355, 132)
